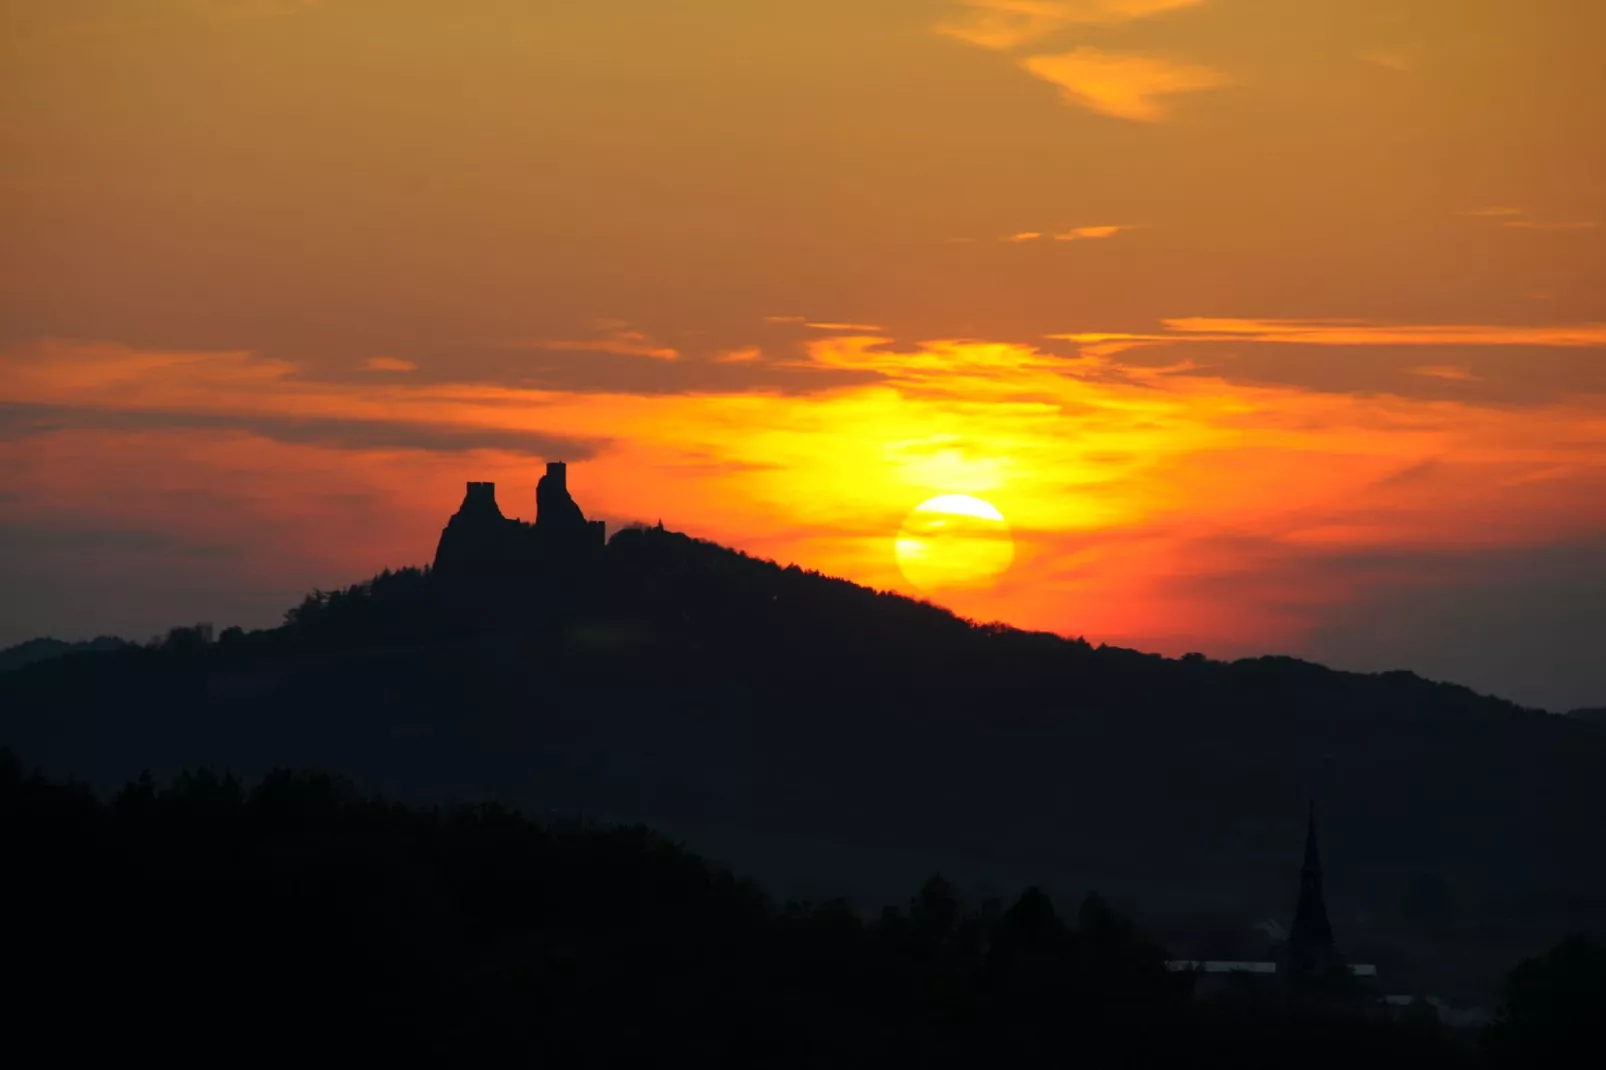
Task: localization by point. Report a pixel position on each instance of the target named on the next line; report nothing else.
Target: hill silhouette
(833, 740)
(26, 653)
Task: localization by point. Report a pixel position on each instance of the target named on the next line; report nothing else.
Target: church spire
(1310, 939)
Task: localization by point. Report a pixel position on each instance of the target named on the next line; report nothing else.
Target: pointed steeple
(1310, 938)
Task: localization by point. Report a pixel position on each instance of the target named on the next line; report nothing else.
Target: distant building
(1310, 951)
(1219, 966)
(1309, 957)
(1455, 1014)
(1227, 966)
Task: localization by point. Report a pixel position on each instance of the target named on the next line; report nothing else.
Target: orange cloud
(1124, 86)
(1450, 372)
(1006, 24)
(1392, 59)
(745, 355)
(625, 342)
(1550, 227)
(1089, 233)
(252, 9)
(389, 364)
(1074, 234)
(1513, 219)
(1343, 333)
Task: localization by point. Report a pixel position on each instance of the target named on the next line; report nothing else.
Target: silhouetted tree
(1550, 1015)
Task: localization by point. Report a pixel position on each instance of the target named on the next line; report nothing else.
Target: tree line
(301, 917)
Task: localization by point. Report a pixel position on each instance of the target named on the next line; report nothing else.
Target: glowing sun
(954, 541)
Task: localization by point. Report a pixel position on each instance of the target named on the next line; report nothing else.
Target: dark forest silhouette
(831, 739)
(301, 915)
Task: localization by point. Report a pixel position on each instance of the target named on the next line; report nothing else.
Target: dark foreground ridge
(833, 740)
(301, 917)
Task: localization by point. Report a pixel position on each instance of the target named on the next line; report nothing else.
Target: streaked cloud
(1090, 233)
(1074, 234)
(1345, 333)
(1549, 226)
(1005, 24)
(1393, 59)
(745, 355)
(389, 364)
(1520, 219)
(1451, 372)
(251, 9)
(1122, 85)
(824, 325)
(621, 340)
(334, 432)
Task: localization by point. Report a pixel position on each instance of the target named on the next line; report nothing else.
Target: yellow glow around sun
(954, 541)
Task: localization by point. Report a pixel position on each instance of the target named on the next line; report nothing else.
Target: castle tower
(474, 545)
(1310, 938)
(556, 514)
(480, 499)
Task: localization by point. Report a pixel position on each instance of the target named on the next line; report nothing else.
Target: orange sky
(1268, 326)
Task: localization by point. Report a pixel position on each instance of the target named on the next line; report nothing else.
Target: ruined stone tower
(558, 519)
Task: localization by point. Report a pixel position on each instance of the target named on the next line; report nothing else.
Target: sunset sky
(1269, 326)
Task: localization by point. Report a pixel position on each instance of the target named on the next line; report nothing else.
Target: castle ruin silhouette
(483, 553)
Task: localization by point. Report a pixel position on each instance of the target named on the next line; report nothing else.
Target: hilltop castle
(480, 548)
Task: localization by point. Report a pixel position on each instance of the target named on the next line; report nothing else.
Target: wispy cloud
(1074, 234)
(1125, 86)
(1004, 24)
(1342, 332)
(253, 9)
(1553, 227)
(621, 340)
(1090, 233)
(1392, 59)
(828, 325)
(1345, 333)
(330, 431)
(745, 355)
(1512, 218)
(389, 364)
(1450, 372)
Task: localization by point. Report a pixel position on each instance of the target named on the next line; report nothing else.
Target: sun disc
(954, 541)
